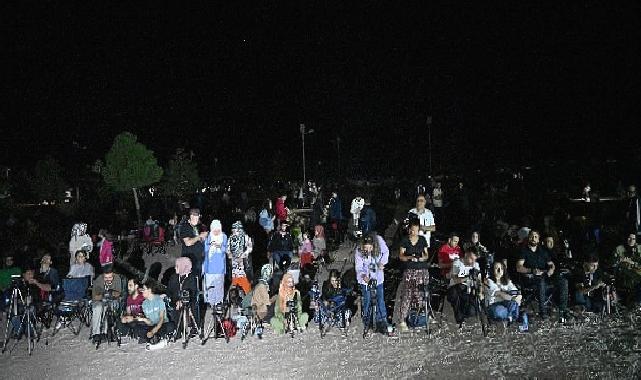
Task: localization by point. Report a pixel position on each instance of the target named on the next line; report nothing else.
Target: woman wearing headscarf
(287, 292)
(79, 241)
(181, 281)
(260, 296)
(215, 266)
(239, 248)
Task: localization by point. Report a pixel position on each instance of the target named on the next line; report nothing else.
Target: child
(305, 251)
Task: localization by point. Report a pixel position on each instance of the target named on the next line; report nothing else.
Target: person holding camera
(502, 297)
(588, 282)
(464, 275)
(104, 294)
(370, 258)
(193, 241)
(536, 266)
(413, 254)
(287, 301)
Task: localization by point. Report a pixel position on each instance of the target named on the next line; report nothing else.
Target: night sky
(512, 83)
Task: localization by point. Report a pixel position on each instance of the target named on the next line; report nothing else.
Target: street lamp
(429, 139)
(304, 132)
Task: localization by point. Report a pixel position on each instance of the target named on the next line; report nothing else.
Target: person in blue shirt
(156, 323)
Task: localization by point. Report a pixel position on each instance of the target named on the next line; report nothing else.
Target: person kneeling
(157, 325)
(287, 295)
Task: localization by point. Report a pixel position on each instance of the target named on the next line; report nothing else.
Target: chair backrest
(75, 289)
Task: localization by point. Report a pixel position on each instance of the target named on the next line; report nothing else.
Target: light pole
(429, 139)
(304, 132)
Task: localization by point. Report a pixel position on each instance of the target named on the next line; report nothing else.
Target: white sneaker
(157, 346)
(403, 327)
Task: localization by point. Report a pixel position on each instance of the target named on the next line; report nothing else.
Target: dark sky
(234, 81)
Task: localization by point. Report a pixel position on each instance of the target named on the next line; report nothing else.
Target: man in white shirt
(425, 217)
(463, 274)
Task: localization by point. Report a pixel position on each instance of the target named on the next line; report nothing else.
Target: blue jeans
(500, 311)
(381, 312)
(277, 256)
(593, 303)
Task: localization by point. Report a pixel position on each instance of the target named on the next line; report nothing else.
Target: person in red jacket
(281, 210)
(447, 253)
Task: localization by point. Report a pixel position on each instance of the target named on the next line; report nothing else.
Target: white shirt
(426, 218)
(437, 197)
(493, 287)
(459, 269)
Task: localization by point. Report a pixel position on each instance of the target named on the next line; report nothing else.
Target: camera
(219, 309)
(184, 296)
(315, 288)
(17, 281)
(291, 305)
(514, 293)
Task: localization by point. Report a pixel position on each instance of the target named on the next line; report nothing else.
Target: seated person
(500, 295)
(27, 286)
(334, 295)
(81, 268)
(537, 268)
(448, 253)
(106, 288)
(260, 295)
(133, 309)
(628, 260)
(156, 324)
(587, 281)
(462, 275)
(235, 310)
(48, 274)
(287, 292)
(184, 280)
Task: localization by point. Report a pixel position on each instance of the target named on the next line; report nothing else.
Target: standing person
(357, 206)
(370, 259)
(425, 217)
(437, 196)
(280, 245)
(80, 240)
(266, 217)
(238, 251)
(192, 240)
(281, 210)
(106, 256)
(319, 241)
(368, 218)
(413, 250)
(215, 264)
(336, 215)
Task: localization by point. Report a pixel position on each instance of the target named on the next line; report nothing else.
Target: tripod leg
(7, 335)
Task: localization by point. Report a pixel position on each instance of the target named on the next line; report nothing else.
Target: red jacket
(281, 211)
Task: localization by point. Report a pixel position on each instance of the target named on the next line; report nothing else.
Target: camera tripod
(478, 303)
(186, 318)
(291, 318)
(370, 320)
(107, 317)
(27, 321)
(216, 324)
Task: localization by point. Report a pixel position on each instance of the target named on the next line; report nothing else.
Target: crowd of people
(532, 267)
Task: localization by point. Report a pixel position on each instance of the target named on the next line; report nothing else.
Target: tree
(130, 165)
(181, 175)
(47, 181)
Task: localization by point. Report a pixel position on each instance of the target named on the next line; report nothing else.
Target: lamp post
(429, 140)
(304, 132)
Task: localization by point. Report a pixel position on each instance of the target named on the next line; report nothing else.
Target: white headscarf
(216, 238)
